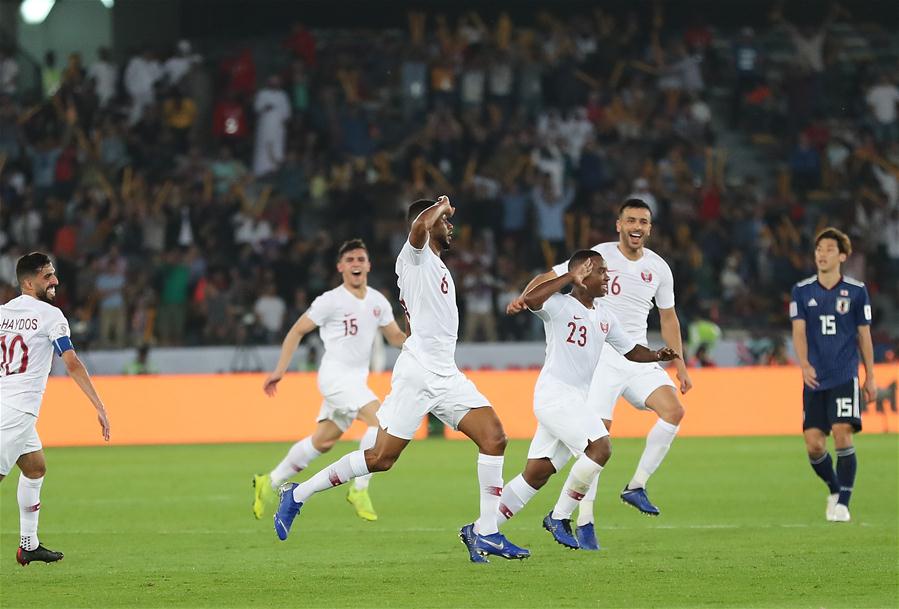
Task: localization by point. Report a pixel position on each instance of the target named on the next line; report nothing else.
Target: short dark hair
(348, 246)
(30, 265)
(634, 203)
(842, 239)
(417, 207)
(581, 255)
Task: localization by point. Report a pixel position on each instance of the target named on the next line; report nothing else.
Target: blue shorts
(840, 404)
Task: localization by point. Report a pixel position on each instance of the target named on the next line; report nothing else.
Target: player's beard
(46, 296)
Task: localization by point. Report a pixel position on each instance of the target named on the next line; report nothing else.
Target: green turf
(742, 526)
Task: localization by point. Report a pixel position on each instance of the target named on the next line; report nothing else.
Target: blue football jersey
(832, 318)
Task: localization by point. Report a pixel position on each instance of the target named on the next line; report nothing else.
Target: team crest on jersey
(604, 326)
(842, 306)
(646, 276)
(377, 311)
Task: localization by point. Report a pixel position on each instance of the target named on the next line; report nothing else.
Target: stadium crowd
(194, 199)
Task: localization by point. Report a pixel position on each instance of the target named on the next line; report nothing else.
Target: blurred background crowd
(197, 194)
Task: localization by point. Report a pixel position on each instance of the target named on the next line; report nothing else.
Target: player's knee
(37, 470)
(324, 446)
(494, 441)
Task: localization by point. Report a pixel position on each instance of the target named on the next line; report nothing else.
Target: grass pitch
(742, 525)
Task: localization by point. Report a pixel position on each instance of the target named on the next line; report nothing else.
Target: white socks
(516, 495)
(367, 441)
(297, 459)
(657, 444)
(343, 470)
(28, 495)
(490, 483)
(576, 486)
(585, 509)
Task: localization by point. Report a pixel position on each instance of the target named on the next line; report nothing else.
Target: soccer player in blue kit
(831, 317)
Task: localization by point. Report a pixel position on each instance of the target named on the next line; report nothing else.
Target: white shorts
(565, 424)
(616, 376)
(415, 391)
(18, 436)
(345, 392)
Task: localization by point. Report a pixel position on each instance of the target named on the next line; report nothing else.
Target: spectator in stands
(141, 75)
(179, 114)
(104, 76)
(270, 309)
(9, 72)
(51, 75)
(882, 98)
(141, 363)
(272, 113)
(110, 284)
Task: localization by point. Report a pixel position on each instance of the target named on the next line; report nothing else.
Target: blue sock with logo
(846, 466)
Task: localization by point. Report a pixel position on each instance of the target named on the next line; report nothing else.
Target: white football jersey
(633, 284)
(347, 325)
(574, 339)
(29, 333)
(428, 296)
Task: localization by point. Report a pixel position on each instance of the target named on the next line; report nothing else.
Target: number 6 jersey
(574, 339)
(30, 331)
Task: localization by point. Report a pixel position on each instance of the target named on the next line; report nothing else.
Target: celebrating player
(425, 380)
(576, 328)
(831, 323)
(347, 317)
(638, 275)
(31, 330)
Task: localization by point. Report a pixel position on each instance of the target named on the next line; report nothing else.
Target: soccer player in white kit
(348, 318)
(425, 380)
(31, 330)
(638, 276)
(577, 325)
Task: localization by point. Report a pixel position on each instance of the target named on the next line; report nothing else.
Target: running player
(31, 330)
(425, 380)
(577, 325)
(348, 318)
(638, 276)
(831, 323)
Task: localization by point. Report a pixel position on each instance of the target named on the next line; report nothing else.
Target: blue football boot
(561, 531)
(586, 537)
(637, 498)
(470, 539)
(288, 509)
(497, 545)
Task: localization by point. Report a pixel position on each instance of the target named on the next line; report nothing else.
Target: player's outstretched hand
(516, 306)
(809, 376)
(104, 423)
(450, 210)
(580, 272)
(666, 354)
(270, 387)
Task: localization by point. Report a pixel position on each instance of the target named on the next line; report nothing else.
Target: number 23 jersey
(574, 339)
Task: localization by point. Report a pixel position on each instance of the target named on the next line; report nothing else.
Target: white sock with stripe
(28, 495)
(367, 441)
(298, 458)
(658, 441)
(582, 474)
(516, 495)
(341, 471)
(490, 483)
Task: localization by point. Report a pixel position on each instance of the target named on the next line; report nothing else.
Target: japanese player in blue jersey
(831, 317)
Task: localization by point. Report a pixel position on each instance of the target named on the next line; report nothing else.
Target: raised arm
(540, 293)
(517, 305)
(670, 326)
(426, 220)
(303, 326)
(78, 372)
(394, 335)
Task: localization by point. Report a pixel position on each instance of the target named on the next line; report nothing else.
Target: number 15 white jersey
(30, 332)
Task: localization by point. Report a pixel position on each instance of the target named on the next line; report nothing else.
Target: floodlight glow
(108, 3)
(35, 11)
